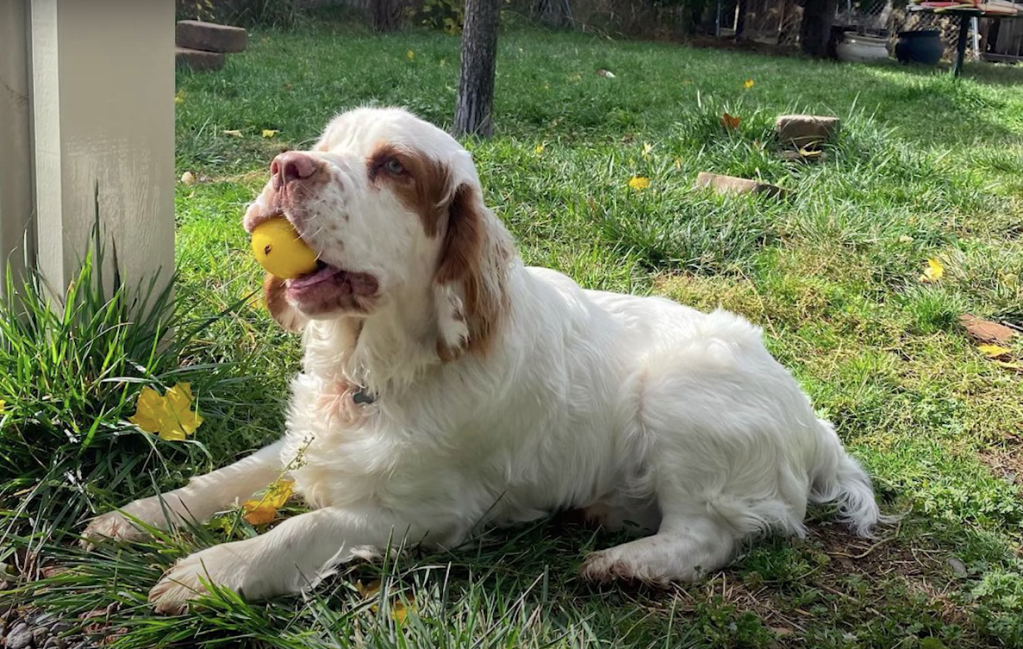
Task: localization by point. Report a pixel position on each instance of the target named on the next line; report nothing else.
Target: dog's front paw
(111, 526)
(184, 581)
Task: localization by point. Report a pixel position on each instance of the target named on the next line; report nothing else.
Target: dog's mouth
(328, 283)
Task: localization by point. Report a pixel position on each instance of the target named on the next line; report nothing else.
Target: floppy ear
(469, 286)
(286, 315)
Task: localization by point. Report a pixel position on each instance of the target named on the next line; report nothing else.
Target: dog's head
(392, 206)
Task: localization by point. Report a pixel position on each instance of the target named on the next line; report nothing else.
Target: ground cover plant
(593, 175)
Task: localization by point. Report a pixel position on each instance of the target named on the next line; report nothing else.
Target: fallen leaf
(933, 272)
(264, 510)
(3, 406)
(678, 163)
(905, 239)
(234, 133)
(399, 611)
(539, 148)
(994, 351)
(179, 98)
(170, 415)
(607, 74)
(647, 148)
(748, 84)
(410, 54)
(188, 178)
(269, 132)
(781, 630)
(730, 121)
(367, 591)
(810, 153)
(986, 331)
(1009, 366)
(639, 183)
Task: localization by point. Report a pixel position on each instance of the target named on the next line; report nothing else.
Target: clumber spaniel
(446, 385)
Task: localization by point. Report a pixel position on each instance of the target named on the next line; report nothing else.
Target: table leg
(964, 30)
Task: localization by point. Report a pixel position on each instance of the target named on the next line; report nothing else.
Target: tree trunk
(385, 15)
(475, 100)
(815, 32)
(555, 13)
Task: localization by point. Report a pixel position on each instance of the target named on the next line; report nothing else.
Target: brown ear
(286, 315)
(470, 279)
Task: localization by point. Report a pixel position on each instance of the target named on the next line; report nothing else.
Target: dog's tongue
(315, 277)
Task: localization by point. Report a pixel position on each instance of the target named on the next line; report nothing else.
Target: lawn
(924, 168)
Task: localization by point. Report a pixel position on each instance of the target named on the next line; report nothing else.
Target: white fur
(636, 408)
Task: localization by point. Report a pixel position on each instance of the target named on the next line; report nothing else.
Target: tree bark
(555, 13)
(385, 15)
(815, 31)
(474, 105)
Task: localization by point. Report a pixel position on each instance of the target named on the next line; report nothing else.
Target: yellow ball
(279, 250)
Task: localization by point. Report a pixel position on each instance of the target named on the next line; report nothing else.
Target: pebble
(54, 643)
(958, 568)
(20, 637)
(39, 635)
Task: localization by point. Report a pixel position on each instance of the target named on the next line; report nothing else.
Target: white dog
(446, 385)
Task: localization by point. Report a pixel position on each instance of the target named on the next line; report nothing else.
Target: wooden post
(815, 31)
(103, 116)
(475, 101)
(16, 194)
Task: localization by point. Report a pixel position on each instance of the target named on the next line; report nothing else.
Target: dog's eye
(394, 167)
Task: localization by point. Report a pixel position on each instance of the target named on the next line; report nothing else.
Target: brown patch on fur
(423, 186)
(469, 257)
(282, 312)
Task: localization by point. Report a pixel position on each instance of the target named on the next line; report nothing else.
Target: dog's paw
(184, 581)
(613, 565)
(110, 526)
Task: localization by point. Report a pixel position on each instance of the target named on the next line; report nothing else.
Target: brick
(801, 131)
(197, 60)
(732, 185)
(210, 37)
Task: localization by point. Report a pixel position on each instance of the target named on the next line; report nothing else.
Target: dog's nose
(292, 165)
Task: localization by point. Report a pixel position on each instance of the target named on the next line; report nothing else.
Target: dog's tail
(839, 478)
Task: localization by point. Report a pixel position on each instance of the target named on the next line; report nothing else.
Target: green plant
(447, 16)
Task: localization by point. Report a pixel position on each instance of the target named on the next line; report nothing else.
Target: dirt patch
(1006, 462)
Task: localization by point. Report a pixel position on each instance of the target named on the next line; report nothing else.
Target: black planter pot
(923, 46)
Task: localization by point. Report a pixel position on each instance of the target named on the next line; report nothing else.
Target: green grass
(924, 167)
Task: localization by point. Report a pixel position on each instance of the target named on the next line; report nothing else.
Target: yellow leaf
(808, 153)
(905, 239)
(233, 133)
(647, 148)
(264, 510)
(678, 163)
(269, 132)
(367, 591)
(639, 183)
(399, 611)
(539, 148)
(748, 84)
(410, 54)
(1010, 366)
(933, 272)
(730, 121)
(170, 416)
(179, 98)
(188, 178)
(994, 351)
(3, 406)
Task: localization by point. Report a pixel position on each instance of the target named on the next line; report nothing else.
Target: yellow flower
(410, 54)
(170, 416)
(264, 510)
(639, 183)
(933, 272)
(269, 132)
(748, 84)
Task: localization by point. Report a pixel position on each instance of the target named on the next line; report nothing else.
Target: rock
(39, 635)
(197, 60)
(732, 185)
(985, 331)
(210, 37)
(801, 131)
(54, 643)
(958, 567)
(59, 627)
(20, 637)
(803, 155)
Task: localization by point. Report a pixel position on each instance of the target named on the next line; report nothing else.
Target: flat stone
(20, 637)
(197, 60)
(732, 185)
(801, 131)
(210, 37)
(54, 643)
(39, 635)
